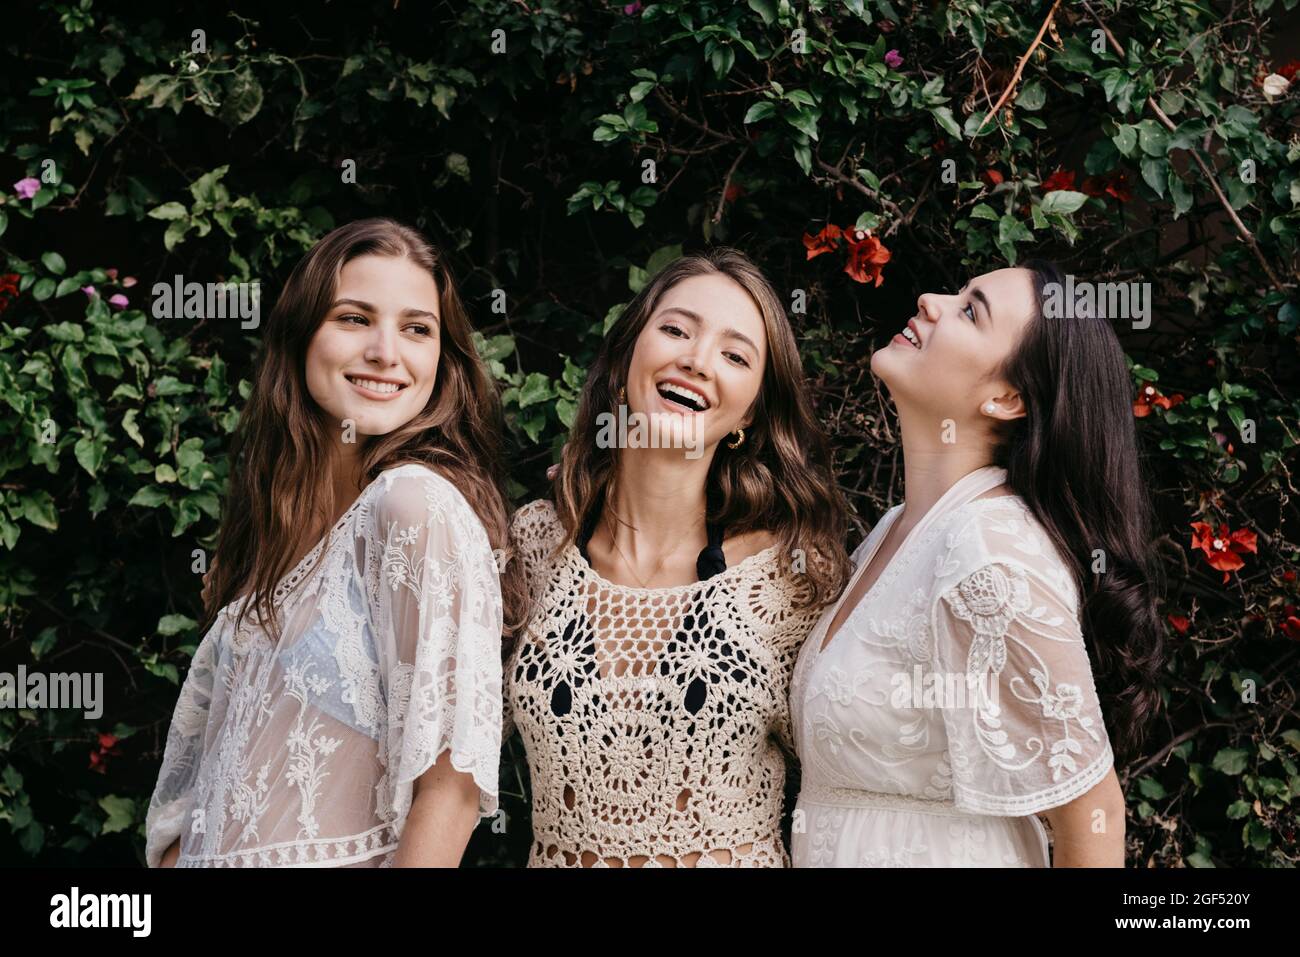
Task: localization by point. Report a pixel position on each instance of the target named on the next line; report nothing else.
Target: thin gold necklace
(614, 541)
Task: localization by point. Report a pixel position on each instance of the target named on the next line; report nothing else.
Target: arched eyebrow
(978, 295)
(409, 312)
(728, 333)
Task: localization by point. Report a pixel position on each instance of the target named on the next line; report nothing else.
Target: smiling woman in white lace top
(343, 707)
(948, 700)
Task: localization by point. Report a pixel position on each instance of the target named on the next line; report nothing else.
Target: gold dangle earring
(740, 440)
(622, 395)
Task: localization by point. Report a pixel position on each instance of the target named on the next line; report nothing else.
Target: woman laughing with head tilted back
(948, 699)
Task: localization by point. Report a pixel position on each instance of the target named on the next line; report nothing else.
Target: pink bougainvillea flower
(119, 300)
(893, 59)
(128, 282)
(88, 290)
(112, 273)
(26, 188)
(1223, 549)
(867, 257)
(825, 241)
(632, 9)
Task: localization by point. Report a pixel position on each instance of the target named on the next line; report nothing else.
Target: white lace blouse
(304, 752)
(955, 702)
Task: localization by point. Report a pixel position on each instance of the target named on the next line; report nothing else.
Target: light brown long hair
(780, 480)
(278, 495)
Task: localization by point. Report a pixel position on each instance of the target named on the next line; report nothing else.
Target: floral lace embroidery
(389, 656)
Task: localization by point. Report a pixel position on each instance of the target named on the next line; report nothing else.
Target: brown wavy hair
(780, 480)
(277, 501)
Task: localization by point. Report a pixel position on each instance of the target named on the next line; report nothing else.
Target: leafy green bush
(561, 152)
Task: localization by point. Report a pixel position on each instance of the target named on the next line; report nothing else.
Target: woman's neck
(932, 466)
(657, 502)
(346, 479)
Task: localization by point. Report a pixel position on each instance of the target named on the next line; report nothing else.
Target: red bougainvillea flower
(1290, 70)
(8, 289)
(733, 193)
(1291, 627)
(991, 177)
(1115, 183)
(1223, 549)
(826, 241)
(867, 256)
(1148, 396)
(1119, 186)
(939, 145)
(107, 748)
(1061, 179)
(1288, 575)
(1180, 622)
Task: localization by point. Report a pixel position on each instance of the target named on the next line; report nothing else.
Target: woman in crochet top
(696, 533)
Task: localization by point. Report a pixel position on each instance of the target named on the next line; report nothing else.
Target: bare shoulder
(739, 547)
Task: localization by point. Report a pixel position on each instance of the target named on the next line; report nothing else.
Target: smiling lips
(909, 335)
(683, 395)
(379, 389)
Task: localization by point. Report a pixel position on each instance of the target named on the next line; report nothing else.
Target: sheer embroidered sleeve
(1026, 734)
(437, 619)
(170, 806)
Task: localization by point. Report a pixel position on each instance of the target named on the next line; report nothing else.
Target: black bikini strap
(710, 562)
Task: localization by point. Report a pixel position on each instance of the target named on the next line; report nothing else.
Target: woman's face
(699, 359)
(374, 359)
(946, 366)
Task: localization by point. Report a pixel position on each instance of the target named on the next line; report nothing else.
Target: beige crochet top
(653, 718)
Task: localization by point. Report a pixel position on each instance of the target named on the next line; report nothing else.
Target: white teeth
(910, 336)
(685, 393)
(374, 385)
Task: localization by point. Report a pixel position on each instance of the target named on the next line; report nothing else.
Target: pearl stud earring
(988, 407)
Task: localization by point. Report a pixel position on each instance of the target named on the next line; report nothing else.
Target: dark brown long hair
(278, 498)
(1074, 459)
(780, 480)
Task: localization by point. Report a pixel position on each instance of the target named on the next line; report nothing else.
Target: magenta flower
(632, 9)
(119, 300)
(88, 290)
(893, 59)
(26, 188)
(112, 272)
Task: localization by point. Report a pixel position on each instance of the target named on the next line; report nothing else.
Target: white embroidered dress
(955, 702)
(304, 752)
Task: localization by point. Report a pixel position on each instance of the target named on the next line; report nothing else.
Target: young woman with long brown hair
(674, 581)
(344, 705)
(947, 702)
